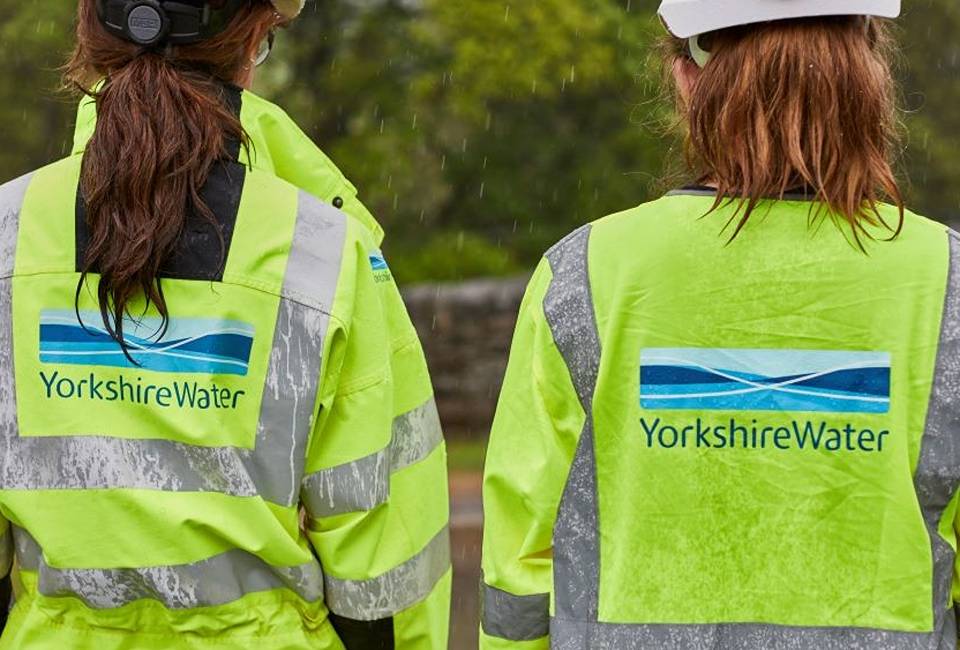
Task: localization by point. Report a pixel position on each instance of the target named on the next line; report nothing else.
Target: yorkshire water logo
(765, 380)
(190, 345)
(381, 271)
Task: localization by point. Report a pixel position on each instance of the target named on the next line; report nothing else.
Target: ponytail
(163, 122)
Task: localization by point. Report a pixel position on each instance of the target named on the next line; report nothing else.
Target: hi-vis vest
(158, 504)
(749, 446)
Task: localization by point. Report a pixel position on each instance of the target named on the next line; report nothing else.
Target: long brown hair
(162, 124)
(802, 104)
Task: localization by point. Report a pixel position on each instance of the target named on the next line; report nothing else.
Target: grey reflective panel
(8, 391)
(569, 310)
(354, 487)
(273, 469)
(568, 305)
(96, 462)
(938, 471)
(415, 435)
(582, 635)
(364, 484)
(394, 591)
(289, 398)
(293, 377)
(313, 268)
(11, 201)
(215, 581)
(514, 618)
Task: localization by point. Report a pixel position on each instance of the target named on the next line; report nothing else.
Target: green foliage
(481, 131)
(35, 39)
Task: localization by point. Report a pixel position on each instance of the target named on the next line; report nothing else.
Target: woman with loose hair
(731, 417)
(217, 429)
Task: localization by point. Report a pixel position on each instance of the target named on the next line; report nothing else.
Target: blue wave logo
(765, 380)
(378, 262)
(208, 346)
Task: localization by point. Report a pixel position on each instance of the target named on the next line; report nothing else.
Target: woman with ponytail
(217, 429)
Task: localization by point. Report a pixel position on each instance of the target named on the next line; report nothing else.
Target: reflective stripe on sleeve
(394, 591)
(11, 202)
(293, 376)
(364, 484)
(514, 618)
(217, 580)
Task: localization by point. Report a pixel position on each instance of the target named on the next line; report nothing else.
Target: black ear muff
(146, 22)
(150, 23)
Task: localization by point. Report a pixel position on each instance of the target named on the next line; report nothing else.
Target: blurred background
(480, 132)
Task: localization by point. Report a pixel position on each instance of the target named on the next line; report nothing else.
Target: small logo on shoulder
(381, 270)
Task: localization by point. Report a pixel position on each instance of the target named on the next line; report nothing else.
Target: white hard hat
(289, 8)
(686, 18)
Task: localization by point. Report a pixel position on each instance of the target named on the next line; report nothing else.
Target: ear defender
(146, 23)
(700, 56)
(151, 23)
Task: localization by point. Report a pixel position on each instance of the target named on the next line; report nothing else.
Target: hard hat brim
(686, 18)
(289, 8)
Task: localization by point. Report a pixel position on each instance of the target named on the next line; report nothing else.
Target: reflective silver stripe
(514, 618)
(217, 580)
(94, 462)
(358, 486)
(937, 478)
(579, 635)
(11, 202)
(293, 377)
(394, 591)
(273, 469)
(569, 310)
(415, 435)
(364, 484)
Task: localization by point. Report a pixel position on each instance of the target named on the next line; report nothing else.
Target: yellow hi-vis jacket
(157, 504)
(743, 446)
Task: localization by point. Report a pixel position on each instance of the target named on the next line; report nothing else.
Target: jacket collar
(277, 146)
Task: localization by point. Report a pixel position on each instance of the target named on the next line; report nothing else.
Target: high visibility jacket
(729, 447)
(270, 474)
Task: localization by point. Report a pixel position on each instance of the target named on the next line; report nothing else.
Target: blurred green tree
(481, 131)
(34, 41)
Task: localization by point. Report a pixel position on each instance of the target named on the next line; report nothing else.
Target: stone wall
(466, 329)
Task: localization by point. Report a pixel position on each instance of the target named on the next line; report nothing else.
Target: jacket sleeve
(375, 486)
(532, 445)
